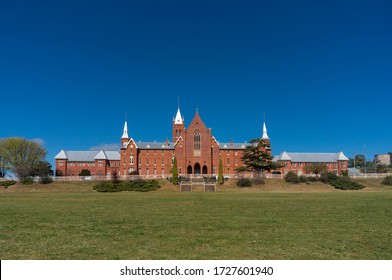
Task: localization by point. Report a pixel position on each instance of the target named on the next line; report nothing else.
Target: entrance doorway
(205, 171)
(189, 170)
(197, 169)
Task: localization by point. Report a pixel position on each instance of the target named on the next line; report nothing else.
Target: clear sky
(321, 71)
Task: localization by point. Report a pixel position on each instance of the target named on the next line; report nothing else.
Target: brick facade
(197, 152)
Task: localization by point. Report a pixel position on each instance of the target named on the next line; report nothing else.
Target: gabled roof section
(342, 156)
(232, 146)
(130, 140)
(311, 157)
(155, 146)
(100, 155)
(197, 121)
(178, 140)
(61, 155)
(216, 141)
(282, 156)
(88, 156)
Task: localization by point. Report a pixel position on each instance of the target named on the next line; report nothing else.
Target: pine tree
(256, 159)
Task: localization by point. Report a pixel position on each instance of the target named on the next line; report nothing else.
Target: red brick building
(297, 162)
(99, 163)
(196, 149)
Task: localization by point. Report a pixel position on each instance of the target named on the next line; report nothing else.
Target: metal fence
(188, 176)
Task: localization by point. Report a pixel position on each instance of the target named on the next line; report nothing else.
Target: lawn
(78, 223)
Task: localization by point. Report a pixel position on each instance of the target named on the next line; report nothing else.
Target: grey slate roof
(155, 145)
(232, 146)
(88, 156)
(311, 157)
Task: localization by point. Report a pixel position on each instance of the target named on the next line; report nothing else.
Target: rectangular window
(163, 152)
(147, 161)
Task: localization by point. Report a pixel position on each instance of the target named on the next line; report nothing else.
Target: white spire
(178, 119)
(265, 135)
(125, 134)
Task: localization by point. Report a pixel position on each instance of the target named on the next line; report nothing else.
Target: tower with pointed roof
(125, 137)
(265, 138)
(178, 125)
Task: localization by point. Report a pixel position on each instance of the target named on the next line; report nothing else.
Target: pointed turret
(125, 133)
(178, 119)
(178, 125)
(265, 135)
(265, 138)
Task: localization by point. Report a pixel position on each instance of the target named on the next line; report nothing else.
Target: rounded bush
(27, 181)
(292, 177)
(244, 182)
(345, 183)
(311, 179)
(328, 177)
(303, 179)
(45, 180)
(7, 183)
(387, 181)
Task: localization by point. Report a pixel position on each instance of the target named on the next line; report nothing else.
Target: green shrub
(27, 181)
(292, 177)
(344, 172)
(45, 180)
(7, 183)
(107, 186)
(345, 183)
(136, 186)
(311, 179)
(328, 177)
(387, 181)
(303, 179)
(244, 182)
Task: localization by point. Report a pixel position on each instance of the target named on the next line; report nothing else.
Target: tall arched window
(196, 143)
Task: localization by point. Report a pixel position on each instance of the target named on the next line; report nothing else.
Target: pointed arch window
(196, 143)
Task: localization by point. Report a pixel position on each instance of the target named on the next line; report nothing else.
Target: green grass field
(71, 221)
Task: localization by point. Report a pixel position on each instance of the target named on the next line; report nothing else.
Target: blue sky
(321, 71)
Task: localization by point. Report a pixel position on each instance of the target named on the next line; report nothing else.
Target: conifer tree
(256, 159)
(221, 180)
(174, 172)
